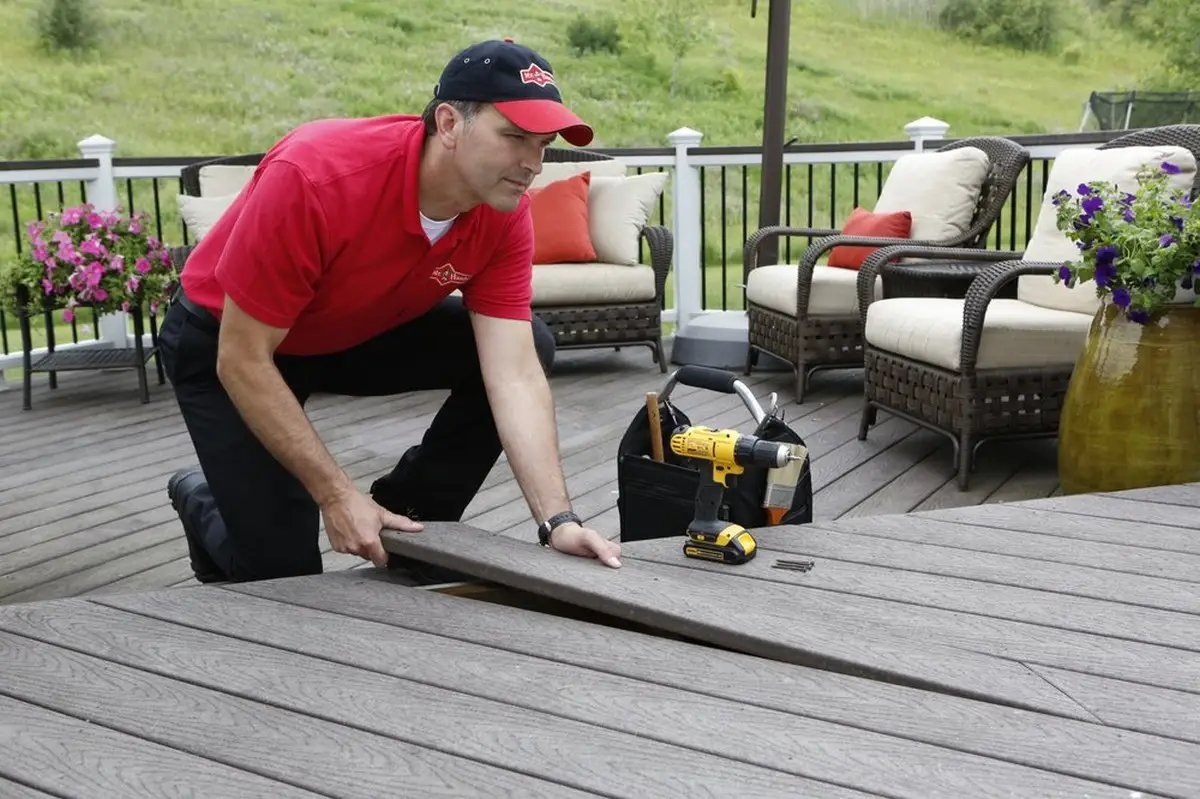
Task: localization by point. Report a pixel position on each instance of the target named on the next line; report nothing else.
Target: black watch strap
(558, 519)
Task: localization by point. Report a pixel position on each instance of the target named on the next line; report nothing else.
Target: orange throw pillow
(897, 225)
(560, 221)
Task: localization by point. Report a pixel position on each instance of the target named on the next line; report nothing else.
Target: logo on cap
(537, 75)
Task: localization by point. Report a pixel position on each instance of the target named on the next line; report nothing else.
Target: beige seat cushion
(939, 189)
(1073, 166)
(1015, 333)
(591, 284)
(834, 291)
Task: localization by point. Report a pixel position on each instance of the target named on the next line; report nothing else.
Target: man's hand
(584, 542)
(353, 522)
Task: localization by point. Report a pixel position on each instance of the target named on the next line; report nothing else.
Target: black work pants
(256, 520)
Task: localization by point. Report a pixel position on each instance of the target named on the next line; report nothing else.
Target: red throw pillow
(896, 225)
(560, 221)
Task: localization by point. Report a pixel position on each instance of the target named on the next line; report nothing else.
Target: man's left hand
(584, 542)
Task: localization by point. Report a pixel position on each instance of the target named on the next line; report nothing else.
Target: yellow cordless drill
(728, 452)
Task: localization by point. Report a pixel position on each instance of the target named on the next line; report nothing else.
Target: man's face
(496, 160)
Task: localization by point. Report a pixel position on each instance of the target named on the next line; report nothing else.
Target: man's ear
(449, 124)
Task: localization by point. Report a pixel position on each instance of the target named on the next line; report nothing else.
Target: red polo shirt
(326, 240)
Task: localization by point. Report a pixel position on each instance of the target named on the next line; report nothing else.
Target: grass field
(171, 77)
(184, 78)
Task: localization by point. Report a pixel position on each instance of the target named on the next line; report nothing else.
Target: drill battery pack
(657, 499)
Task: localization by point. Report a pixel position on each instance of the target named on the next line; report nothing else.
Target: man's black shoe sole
(203, 566)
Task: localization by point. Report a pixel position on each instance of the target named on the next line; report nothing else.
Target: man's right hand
(353, 522)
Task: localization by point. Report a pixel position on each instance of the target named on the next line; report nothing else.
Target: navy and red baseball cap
(518, 82)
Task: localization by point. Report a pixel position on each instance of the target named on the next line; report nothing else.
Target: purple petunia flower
(1083, 189)
(1196, 267)
(1092, 204)
(1166, 241)
(1064, 273)
(1105, 274)
(1121, 298)
(1106, 254)
(1170, 168)
(1128, 216)
(1139, 316)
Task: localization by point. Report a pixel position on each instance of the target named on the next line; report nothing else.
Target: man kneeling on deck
(332, 272)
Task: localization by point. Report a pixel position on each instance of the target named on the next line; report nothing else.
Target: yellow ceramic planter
(1131, 417)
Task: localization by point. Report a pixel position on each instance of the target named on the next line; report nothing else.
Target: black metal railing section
(820, 194)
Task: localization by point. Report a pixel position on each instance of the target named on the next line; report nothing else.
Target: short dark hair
(468, 109)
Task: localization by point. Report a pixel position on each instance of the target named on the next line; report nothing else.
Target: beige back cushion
(201, 213)
(551, 172)
(618, 209)
(1073, 166)
(217, 180)
(939, 189)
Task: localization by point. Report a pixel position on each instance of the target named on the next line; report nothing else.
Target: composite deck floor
(83, 505)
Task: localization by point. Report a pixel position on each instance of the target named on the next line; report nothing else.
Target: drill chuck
(751, 451)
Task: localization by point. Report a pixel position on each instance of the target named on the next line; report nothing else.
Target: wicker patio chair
(575, 325)
(822, 329)
(983, 368)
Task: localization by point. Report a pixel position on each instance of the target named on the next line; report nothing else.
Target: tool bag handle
(714, 380)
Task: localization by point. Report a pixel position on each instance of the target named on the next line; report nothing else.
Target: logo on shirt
(446, 275)
(535, 74)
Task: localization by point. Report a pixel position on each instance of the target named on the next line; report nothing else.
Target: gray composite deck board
(899, 576)
(919, 534)
(291, 747)
(1029, 517)
(678, 717)
(16, 790)
(816, 629)
(889, 619)
(264, 679)
(1172, 588)
(69, 756)
(195, 667)
(83, 506)
(1072, 747)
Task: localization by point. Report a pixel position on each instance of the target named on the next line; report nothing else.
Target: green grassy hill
(181, 77)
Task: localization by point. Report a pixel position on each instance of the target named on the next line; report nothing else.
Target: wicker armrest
(662, 245)
(756, 240)
(983, 289)
(873, 264)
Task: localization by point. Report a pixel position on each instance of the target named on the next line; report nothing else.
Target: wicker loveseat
(607, 303)
(983, 367)
(807, 314)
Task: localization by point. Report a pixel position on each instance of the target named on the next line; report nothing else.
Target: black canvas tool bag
(657, 500)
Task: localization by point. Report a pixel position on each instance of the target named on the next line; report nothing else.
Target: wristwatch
(557, 520)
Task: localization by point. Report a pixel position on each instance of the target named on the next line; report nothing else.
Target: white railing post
(102, 193)
(686, 204)
(926, 129)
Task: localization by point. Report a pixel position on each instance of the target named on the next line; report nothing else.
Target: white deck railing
(685, 159)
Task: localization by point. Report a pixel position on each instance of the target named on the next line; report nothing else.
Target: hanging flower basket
(81, 257)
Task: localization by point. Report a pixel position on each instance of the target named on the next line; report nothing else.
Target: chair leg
(26, 360)
(963, 458)
(751, 359)
(801, 381)
(868, 419)
(659, 357)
